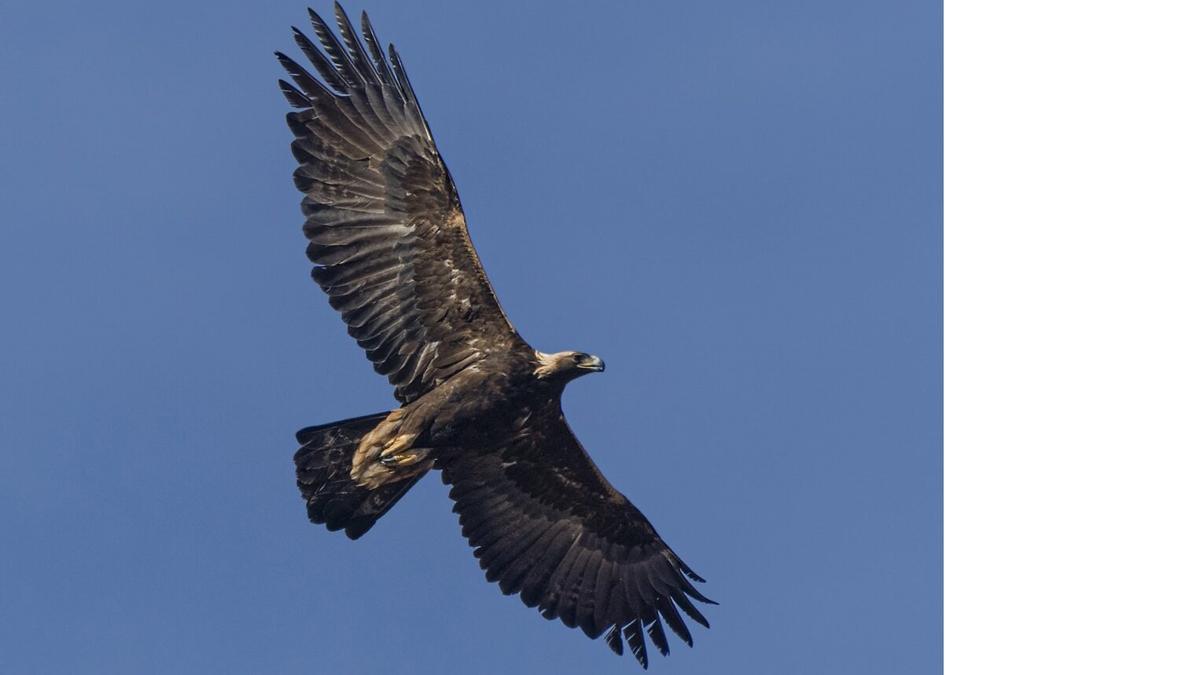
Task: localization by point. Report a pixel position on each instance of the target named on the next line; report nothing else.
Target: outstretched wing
(544, 522)
(385, 225)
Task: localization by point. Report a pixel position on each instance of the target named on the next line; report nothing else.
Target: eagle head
(566, 365)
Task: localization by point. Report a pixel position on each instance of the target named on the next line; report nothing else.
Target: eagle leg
(401, 460)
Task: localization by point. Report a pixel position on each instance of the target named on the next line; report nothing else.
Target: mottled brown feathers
(384, 223)
(545, 523)
(335, 499)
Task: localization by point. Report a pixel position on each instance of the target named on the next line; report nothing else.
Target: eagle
(390, 246)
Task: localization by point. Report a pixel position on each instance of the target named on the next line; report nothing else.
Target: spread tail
(323, 465)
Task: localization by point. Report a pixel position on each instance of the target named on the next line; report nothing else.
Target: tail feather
(323, 475)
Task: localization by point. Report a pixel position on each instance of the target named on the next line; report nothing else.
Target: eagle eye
(578, 358)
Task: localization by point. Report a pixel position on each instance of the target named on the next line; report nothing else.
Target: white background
(1072, 337)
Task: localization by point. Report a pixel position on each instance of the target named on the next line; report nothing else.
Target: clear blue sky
(738, 209)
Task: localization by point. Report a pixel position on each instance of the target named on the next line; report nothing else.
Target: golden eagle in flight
(391, 249)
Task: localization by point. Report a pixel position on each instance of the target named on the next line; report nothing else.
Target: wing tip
(637, 642)
(294, 96)
(613, 639)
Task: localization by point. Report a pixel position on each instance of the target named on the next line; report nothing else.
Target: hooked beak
(592, 363)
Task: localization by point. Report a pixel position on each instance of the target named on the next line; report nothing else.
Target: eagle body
(390, 245)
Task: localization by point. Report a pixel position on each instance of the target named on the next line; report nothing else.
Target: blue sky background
(738, 208)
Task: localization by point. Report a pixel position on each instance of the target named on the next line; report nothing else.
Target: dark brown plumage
(391, 249)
